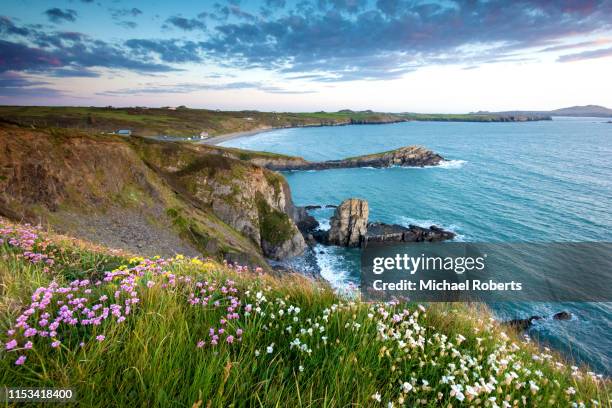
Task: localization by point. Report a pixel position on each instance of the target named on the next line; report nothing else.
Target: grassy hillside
(196, 333)
(179, 122)
(143, 195)
(190, 122)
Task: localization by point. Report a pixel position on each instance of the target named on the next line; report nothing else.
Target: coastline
(215, 140)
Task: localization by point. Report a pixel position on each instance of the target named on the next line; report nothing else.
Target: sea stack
(349, 223)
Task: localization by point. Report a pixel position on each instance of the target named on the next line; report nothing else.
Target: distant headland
(215, 126)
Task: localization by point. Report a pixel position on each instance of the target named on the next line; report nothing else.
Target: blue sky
(392, 55)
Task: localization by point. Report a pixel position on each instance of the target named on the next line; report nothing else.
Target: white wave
(451, 164)
(324, 224)
(332, 268)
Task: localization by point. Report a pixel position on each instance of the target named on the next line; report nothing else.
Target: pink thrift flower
(28, 345)
(11, 344)
(239, 332)
(55, 344)
(20, 360)
(230, 339)
(100, 338)
(200, 344)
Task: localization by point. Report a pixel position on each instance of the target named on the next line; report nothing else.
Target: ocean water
(547, 181)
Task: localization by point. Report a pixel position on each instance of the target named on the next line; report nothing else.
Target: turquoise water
(547, 181)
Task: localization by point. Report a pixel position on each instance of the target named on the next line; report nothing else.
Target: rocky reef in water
(350, 228)
(407, 156)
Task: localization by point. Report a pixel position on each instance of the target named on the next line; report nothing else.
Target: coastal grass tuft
(204, 334)
(274, 226)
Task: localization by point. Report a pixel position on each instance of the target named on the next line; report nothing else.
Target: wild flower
(11, 344)
(20, 360)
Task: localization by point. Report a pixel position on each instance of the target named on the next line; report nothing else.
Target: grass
(191, 122)
(294, 341)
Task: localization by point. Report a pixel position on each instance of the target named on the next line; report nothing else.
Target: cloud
(585, 55)
(583, 44)
(32, 50)
(127, 24)
(186, 24)
(58, 16)
(350, 6)
(14, 85)
(275, 4)
(170, 51)
(125, 12)
(354, 39)
(188, 87)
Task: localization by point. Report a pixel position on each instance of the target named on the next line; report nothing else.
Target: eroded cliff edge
(149, 197)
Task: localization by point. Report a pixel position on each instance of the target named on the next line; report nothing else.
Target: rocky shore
(350, 228)
(408, 156)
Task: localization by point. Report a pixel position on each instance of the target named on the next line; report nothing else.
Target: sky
(308, 55)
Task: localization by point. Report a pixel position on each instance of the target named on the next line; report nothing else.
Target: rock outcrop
(350, 228)
(409, 156)
(349, 223)
(379, 232)
(524, 324)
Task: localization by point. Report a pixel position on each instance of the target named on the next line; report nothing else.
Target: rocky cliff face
(349, 223)
(145, 196)
(253, 200)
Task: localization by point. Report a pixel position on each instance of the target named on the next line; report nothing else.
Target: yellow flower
(196, 261)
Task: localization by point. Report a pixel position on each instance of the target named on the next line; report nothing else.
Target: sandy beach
(215, 140)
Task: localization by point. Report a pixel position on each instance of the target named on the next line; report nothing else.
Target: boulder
(349, 223)
(562, 316)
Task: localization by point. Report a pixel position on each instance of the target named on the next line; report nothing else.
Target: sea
(543, 181)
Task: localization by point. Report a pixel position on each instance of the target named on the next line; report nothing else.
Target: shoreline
(216, 140)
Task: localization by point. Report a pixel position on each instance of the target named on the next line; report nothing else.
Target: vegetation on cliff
(142, 195)
(129, 331)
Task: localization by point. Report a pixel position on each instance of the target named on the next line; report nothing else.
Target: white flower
(376, 397)
(256, 353)
(406, 387)
(301, 368)
(533, 387)
(270, 349)
(570, 391)
(456, 391)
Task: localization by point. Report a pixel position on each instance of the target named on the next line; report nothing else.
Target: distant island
(595, 111)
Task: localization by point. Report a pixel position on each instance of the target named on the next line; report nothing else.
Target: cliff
(146, 196)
